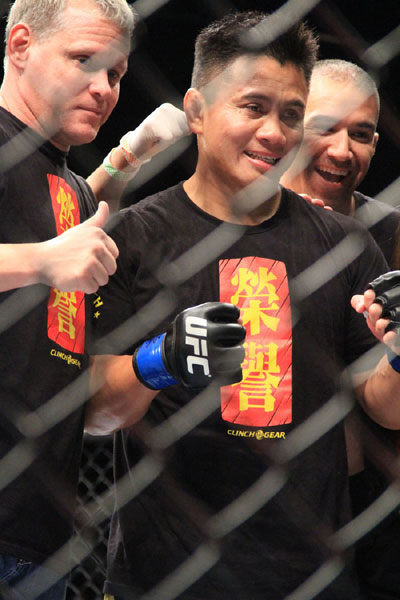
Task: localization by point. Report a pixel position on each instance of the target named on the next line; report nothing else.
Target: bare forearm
(108, 188)
(18, 265)
(80, 259)
(163, 127)
(380, 395)
(118, 399)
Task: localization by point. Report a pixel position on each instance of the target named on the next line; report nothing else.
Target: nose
(270, 131)
(99, 84)
(340, 147)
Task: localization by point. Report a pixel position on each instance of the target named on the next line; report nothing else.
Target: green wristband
(115, 173)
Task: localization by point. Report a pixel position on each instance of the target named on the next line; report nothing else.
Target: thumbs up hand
(82, 258)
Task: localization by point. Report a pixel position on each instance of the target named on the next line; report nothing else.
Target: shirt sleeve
(114, 327)
(359, 340)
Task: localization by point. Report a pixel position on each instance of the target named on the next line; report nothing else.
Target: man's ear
(18, 44)
(193, 104)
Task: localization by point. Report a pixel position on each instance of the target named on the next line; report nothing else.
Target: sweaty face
(253, 120)
(70, 83)
(340, 139)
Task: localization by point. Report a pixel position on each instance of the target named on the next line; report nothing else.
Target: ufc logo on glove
(203, 343)
(196, 326)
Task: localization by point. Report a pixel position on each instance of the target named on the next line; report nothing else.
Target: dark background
(161, 63)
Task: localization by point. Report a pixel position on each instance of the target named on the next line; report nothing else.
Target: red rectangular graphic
(66, 310)
(259, 287)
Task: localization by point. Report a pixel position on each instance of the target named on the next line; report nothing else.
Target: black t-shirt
(42, 343)
(381, 220)
(301, 333)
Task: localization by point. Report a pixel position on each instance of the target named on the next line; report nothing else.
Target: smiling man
(242, 239)
(64, 63)
(340, 133)
(339, 143)
(258, 100)
(80, 87)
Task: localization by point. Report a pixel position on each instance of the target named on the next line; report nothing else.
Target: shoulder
(156, 201)
(370, 211)
(8, 125)
(145, 218)
(320, 218)
(348, 239)
(86, 198)
(11, 127)
(160, 206)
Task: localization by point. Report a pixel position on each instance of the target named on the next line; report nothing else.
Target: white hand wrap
(163, 127)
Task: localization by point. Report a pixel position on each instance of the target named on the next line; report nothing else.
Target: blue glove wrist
(149, 365)
(393, 359)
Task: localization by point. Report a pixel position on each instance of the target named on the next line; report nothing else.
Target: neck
(352, 206)
(12, 100)
(240, 208)
(345, 205)
(3, 102)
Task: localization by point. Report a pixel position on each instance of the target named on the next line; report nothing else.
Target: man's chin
(81, 140)
(75, 137)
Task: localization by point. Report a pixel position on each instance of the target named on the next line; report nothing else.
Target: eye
(321, 126)
(113, 77)
(291, 114)
(255, 108)
(292, 117)
(361, 136)
(87, 62)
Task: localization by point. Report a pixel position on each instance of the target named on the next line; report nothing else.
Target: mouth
(93, 111)
(332, 175)
(268, 160)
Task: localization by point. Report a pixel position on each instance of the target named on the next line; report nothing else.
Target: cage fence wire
(148, 83)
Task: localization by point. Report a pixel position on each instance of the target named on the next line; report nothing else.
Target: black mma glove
(202, 343)
(387, 292)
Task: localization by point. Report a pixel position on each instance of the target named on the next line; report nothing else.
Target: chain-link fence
(96, 478)
(159, 71)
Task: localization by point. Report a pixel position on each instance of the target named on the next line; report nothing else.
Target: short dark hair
(221, 42)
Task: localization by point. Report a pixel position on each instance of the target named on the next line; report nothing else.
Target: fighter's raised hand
(163, 127)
